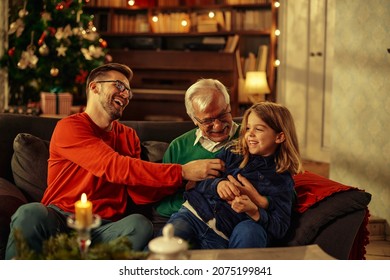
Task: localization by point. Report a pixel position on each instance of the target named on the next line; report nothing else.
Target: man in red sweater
(92, 153)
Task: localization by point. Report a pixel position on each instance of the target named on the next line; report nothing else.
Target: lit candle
(83, 212)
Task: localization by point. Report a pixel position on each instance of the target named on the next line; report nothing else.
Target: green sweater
(182, 150)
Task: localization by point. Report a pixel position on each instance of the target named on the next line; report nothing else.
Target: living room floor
(376, 249)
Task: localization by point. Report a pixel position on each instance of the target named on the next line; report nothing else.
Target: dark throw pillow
(153, 151)
(29, 165)
(320, 201)
(305, 226)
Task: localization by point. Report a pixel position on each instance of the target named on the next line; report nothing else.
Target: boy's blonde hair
(279, 118)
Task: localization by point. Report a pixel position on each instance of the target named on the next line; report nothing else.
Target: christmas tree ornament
(42, 38)
(54, 71)
(103, 43)
(11, 51)
(63, 33)
(46, 16)
(92, 52)
(61, 50)
(22, 13)
(108, 58)
(43, 50)
(16, 27)
(60, 6)
(90, 35)
(52, 30)
(27, 59)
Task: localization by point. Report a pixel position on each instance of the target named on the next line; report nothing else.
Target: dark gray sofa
(335, 220)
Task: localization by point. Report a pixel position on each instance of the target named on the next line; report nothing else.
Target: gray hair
(199, 92)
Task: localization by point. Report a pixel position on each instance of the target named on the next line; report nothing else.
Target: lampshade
(256, 83)
(256, 86)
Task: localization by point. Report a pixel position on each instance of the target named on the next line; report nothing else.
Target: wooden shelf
(174, 60)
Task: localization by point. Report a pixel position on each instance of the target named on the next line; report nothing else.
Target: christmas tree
(53, 45)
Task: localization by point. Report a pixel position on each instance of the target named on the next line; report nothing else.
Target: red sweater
(104, 165)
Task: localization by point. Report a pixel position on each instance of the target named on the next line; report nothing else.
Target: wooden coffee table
(308, 252)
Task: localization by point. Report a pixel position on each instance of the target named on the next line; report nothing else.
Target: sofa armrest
(11, 198)
(11, 190)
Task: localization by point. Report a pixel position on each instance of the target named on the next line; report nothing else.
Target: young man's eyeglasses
(119, 85)
(210, 121)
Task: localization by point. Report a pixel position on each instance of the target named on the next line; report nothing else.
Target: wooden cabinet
(306, 86)
(171, 44)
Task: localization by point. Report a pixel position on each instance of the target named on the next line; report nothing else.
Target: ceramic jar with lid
(167, 246)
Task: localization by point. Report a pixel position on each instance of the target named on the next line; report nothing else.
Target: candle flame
(83, 198)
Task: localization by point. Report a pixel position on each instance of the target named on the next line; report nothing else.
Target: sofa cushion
(312, 188)
(29, 165)
(153, 150)
(306, 225)
(321, 200)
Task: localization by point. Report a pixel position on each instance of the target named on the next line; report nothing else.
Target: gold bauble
(54, 71)
(44, 50)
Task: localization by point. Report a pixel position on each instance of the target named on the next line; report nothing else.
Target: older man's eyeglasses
(119, 85)
(210, 121)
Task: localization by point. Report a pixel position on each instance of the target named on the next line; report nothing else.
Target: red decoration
(42, 38)
(103, 43)
(11, 51)
(60, 6)
(52, 30)
(81, 77)
(68, 3)
(64, 4)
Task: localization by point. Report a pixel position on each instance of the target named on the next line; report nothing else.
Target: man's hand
(245, 187)
(198, 170)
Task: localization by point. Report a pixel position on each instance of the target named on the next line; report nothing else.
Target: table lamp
(256, 86)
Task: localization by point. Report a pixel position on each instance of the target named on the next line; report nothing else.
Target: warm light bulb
(277, 62)
(131, 2)
(155, 18)
(277, 32)
(277, 4)
(184, 22)
(211, 14)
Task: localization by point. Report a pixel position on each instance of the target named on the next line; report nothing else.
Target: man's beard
(111, 110)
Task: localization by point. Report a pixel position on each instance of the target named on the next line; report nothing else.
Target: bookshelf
(199, 31)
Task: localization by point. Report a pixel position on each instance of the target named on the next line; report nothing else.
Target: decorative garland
(65, 247)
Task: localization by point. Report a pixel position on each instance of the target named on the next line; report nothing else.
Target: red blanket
(312, 188)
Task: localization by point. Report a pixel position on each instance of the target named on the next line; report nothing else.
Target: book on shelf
(228, 20)
(250, 63)
(262, 58)
(206, 24)
(214, 40)
(253, 20)
(232, 43)
(242, 97)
